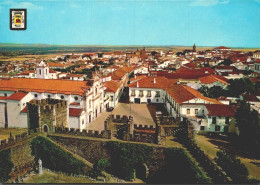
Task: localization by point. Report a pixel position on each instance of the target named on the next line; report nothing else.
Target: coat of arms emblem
(18, 19)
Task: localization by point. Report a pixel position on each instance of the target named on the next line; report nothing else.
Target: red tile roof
(75, 112)
(221, 47)
(24, 110)
(112, 86)
(17, 96)
(182, 93)
(148, 82)
(221, 110)
(75, 103)
(212, 79)
(52, 71)
(3, 97)
(44, 85)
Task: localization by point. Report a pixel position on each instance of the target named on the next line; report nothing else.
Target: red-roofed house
(217, 117)
(179, 99)
(113, 91)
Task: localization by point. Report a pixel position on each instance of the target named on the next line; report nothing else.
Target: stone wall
(49, 112)
(20, 157)
(93, 150)
(4, 143)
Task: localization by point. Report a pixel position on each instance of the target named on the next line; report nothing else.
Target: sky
(233, 23)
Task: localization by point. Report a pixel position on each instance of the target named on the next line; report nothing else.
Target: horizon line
(106, 45)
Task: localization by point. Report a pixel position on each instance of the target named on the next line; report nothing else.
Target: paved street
(140, 113)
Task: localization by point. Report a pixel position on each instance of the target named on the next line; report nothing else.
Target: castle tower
(42, 71)
(194, 48)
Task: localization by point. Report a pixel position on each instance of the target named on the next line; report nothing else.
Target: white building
(85, 99)
(179, 99)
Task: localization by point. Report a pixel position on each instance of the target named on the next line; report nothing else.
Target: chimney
(137, 84)
(154, 80)
(135, 76)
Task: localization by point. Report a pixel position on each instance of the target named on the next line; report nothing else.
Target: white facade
(42, 71)
(92, 104)
(146, 95)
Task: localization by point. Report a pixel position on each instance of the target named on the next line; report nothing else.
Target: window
(196, 111)
(82, 122)
(157, 94)
(35, 95)
(5, 95)
(76, 98)
(149, 93)
(46, 71)
(202, 127)
(40, 71)
(188, 111)
(133, 93)
(96, 91)
(157, 100)
(141, 93)
(49, 96)
(227, 120)
(62, 97)
(217, 128)
(111, 98)
(214, 120)
(202, 111)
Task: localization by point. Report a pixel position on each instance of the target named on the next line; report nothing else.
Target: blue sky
(234, 23)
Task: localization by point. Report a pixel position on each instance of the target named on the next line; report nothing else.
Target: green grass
(211, 150)
(51, 177)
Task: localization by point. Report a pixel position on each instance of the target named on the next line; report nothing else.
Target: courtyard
(140, 112)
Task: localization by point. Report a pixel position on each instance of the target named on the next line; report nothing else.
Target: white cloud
(208, 2)
(28, 5)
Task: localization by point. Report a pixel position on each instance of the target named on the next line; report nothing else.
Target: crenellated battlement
(4, 143)
(46, 114)
(84, 132)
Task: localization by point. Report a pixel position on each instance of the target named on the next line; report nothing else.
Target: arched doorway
(141, 172)
(45, 128)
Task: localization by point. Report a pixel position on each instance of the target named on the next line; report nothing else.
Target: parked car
(110, 109)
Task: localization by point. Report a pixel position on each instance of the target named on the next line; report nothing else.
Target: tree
(232, 166)
(247, 122)
(204, 90)
(98, 167)
(239, 86)
(226, 62)
(213, 92)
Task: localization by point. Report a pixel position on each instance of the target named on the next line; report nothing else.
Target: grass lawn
(5, 132)
(210, 149)
(51, 177)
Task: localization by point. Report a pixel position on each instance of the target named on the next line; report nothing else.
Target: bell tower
(42, 71)
(194, 48)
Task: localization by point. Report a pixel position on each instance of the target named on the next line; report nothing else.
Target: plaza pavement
(140, 113)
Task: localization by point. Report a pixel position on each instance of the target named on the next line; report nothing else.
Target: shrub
(232, 166)
(98, 167)
(125, 157)
(179, 168)
(55, 158)
(6, 165)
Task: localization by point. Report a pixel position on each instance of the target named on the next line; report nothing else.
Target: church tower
(194, 48)
(42, 71)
